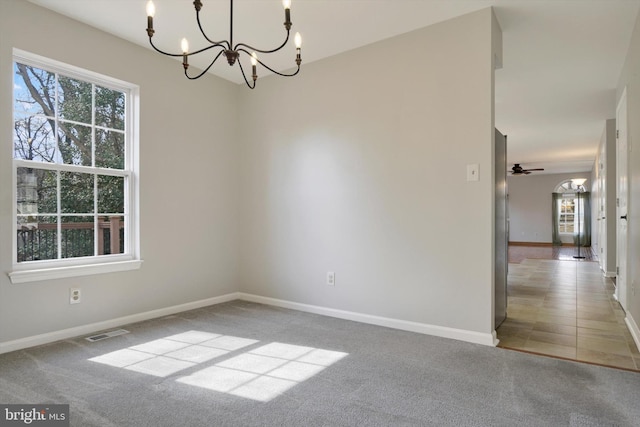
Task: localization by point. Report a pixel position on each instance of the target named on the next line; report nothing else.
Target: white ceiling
(562, 58)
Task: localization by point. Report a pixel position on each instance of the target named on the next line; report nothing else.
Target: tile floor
(520, 252)
(565, 308)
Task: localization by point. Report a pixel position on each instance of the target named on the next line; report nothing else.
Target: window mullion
(59, 215)
(34, 164)
(56, 135)
(96, 226)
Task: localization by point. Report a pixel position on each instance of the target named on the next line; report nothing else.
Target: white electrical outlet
(74, 295)
(331, 278)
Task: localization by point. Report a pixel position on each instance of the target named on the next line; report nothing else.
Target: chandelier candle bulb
(151, 11)
(185, 53)
(254, 63)
(287, 13)
(298, 41)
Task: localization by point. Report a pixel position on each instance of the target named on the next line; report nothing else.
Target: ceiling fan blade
(518, 170)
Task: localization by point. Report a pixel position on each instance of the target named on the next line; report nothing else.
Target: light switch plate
(473, 172)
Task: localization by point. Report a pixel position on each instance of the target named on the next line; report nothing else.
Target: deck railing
(40, 242)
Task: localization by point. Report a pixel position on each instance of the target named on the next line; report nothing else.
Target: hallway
(565, 308)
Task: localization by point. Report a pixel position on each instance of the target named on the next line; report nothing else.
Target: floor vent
(106, 335)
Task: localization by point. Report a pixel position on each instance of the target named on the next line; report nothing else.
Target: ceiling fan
(517, 170)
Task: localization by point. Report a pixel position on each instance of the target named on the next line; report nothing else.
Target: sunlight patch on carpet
(166, 356)
(265, 372)
(260, 373)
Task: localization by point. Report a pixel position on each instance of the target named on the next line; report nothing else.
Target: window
(568, 209)
(566, 216)
(74, 171)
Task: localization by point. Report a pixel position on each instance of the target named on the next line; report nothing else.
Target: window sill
(24, 276)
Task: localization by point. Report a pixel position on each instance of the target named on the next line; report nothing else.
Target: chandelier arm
(245, 77)
(223, 43)
(162, 51)
(269, 68)
(182, 54)
(278, 73)
(206, 69)
(207, 48)
(240, 45)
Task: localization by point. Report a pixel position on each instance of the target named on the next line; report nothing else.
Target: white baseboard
(91, 328)
(489, 339)
(633, 328)
(610, 274)
(405, 325)
(496, 341)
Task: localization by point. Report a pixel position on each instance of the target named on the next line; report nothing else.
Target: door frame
(501, 236)
(622, 180)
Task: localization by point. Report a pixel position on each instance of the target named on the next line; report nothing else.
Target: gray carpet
(386, 378)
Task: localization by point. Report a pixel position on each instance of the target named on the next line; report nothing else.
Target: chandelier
(226, 47)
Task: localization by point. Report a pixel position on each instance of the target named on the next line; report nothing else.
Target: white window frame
(29, 271)
(569, 196)
(565, 187)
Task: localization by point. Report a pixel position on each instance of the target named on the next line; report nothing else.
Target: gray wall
(365, 175)
(530, 205)
(630, 78)
(357, 166)
(188, 189)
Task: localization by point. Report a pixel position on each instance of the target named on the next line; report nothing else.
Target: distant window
(73, 161)
(568, 210)
(566, 215)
